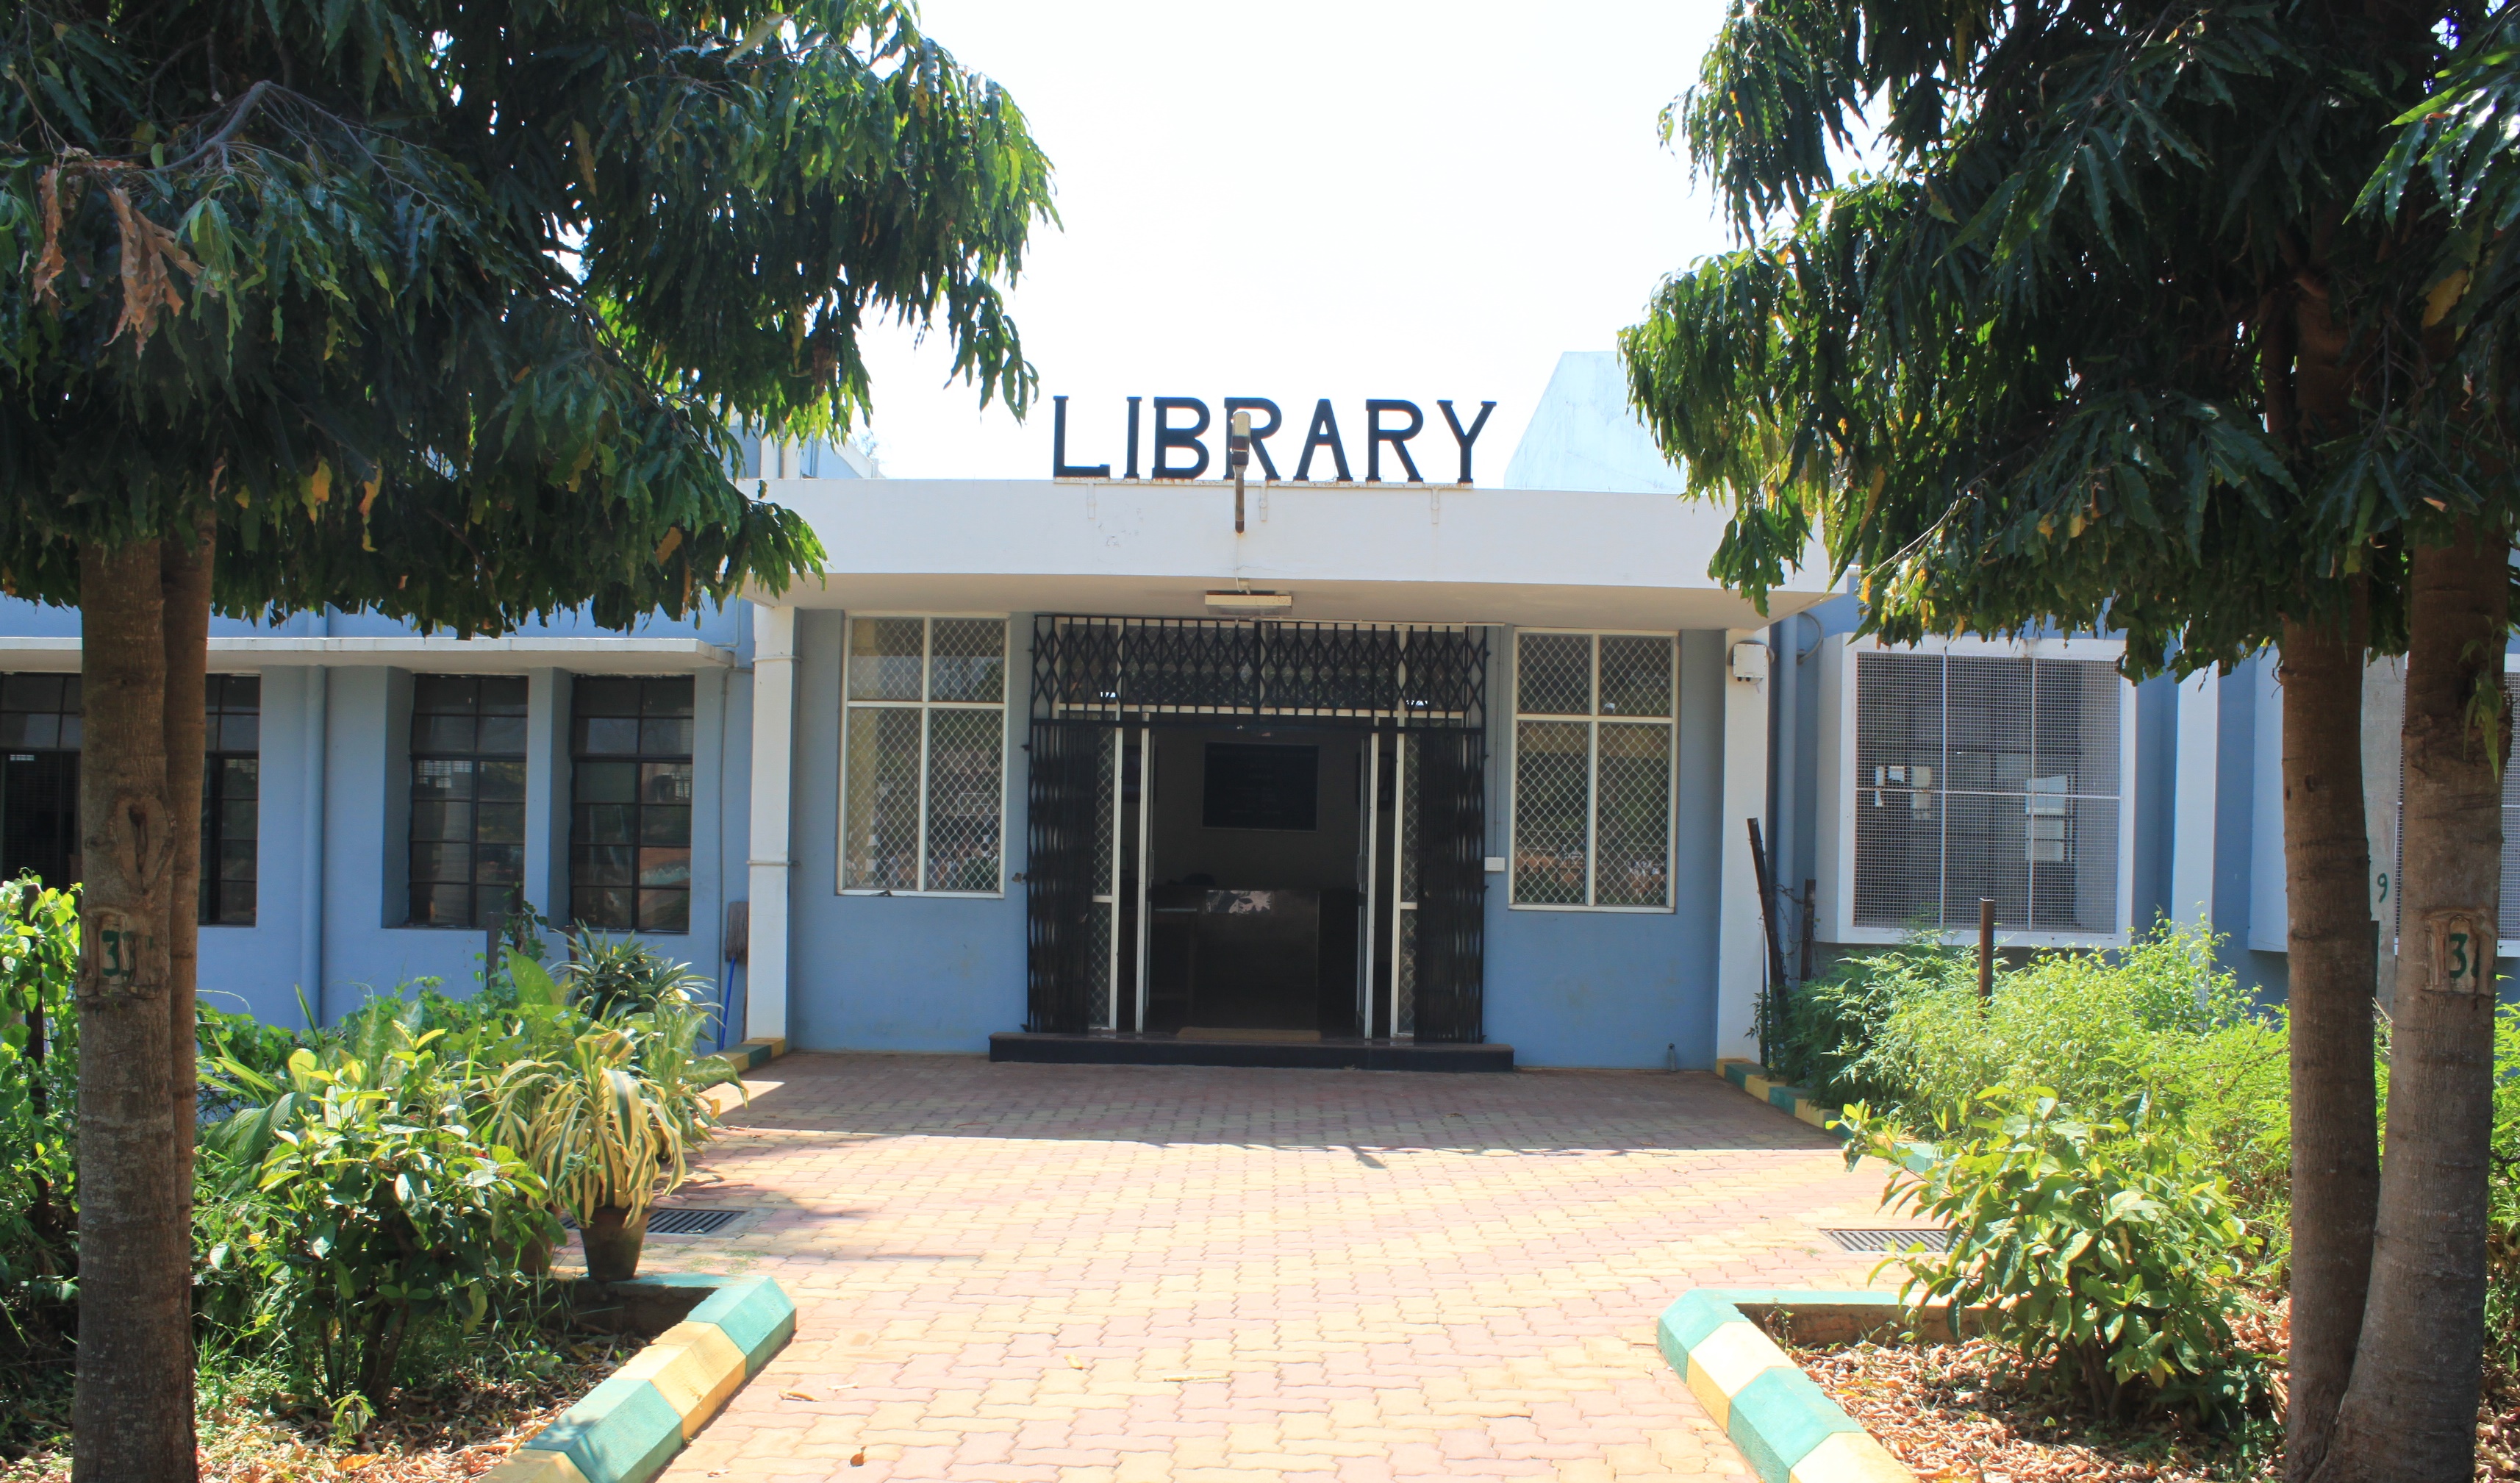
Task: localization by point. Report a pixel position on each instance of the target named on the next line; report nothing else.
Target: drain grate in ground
(681, 1220)
(1889, 1241)
(690, 1222)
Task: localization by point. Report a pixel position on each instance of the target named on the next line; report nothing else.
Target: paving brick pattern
(1087, 1273)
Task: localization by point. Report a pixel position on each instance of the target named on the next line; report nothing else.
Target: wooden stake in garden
(1986, 950)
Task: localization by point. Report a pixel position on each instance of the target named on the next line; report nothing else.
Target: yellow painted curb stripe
(1725, 1361)
(695, 1366)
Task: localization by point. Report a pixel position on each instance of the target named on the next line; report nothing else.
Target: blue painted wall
(892, 972)
(1617, 988)
(335, 805)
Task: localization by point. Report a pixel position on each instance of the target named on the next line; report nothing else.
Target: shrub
(359, 1202)
(39, 1092)
(1905, 1032)
(613, 1122)
(1828, 1034)
(610, 977)
(2105, 1254)
(2502, 1208)
(2156, 1022)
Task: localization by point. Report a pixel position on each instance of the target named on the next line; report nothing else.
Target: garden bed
(1958, 1412)
(456, 1428)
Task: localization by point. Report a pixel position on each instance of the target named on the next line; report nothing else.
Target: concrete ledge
(753, 1052)
(1788, 1428)
(1108, 1049)
(626, 1429)
(1753, 1078)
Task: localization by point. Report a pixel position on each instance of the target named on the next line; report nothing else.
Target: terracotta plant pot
(532, 1256)
(613, 1242)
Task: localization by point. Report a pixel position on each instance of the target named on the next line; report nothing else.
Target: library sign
(1178, 449)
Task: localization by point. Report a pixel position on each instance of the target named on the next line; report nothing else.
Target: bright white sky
(1317, 198)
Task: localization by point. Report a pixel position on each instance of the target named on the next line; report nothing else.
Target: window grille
(231, 794)
(1986, 776)
(630, 804)
(39, 739)
(467, 797)
(1592, 769)
(922, 754)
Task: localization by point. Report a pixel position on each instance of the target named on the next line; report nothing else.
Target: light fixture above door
(1250, 605)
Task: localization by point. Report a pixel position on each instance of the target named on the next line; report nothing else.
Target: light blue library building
(1409, 770)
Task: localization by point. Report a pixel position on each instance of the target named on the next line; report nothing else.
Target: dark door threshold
(1110, 1049)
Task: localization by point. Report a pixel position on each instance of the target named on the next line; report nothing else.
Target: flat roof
(1348, 552)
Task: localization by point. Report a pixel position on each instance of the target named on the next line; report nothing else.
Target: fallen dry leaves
(446, 1433)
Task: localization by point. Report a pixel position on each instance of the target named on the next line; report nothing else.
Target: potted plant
(611, 1127)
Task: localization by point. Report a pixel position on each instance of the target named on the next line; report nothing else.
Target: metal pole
(1986, 950)
(1145, 871)
(1372, 852)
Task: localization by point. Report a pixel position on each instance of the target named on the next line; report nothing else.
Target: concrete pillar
(2196, 786)
(1740, 942)
(547, 785)
(774, 741)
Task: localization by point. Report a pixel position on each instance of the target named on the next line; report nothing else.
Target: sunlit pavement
(1128, 1273)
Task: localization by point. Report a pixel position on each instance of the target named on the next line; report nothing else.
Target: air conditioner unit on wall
(1963, 768)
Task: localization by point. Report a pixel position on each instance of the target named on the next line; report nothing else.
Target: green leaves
(511, 274)
(2098, 1250)
(2103, 345)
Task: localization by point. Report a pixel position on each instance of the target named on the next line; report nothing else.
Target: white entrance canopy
(1347, 552)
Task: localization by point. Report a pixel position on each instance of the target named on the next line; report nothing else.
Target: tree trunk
(2410, 1412)
(131, 1417)
(184, 575)
(2335, 1134)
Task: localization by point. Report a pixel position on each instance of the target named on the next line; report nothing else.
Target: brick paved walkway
(1083, 1272)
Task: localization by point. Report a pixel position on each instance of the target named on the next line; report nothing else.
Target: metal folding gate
(1103, 685)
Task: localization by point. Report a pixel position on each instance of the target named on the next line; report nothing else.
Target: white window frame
(1515, 716)
(1837, 754)
(926, 708)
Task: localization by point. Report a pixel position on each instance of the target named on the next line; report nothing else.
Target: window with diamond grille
(923, 755)
(1592, 769)
(1986, 776)
(467, 797)
(630, 804)
(231, 798)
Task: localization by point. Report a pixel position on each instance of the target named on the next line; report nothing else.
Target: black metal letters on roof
(1110, 669)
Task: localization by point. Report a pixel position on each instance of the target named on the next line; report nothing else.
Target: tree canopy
(2041, 359)
(447, 309)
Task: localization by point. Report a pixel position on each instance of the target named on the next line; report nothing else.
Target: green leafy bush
(359, 1202)
(38, 1094)
(610, 977)
(2502, 1208)
(1905, 1032)
(2106, 1254)
(1828, 1035)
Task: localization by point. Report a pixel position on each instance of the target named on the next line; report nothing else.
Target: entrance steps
(1246, 1048)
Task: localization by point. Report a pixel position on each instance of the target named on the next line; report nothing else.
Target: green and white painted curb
(753, 1052)
(1753, 1078)
(629, 1428)
(1789, 1429)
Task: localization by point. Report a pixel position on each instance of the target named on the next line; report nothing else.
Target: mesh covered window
(231, 798)
(630, 804)
(467, 797)
(1592, 769)
(922, 756)
(1986, 775)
